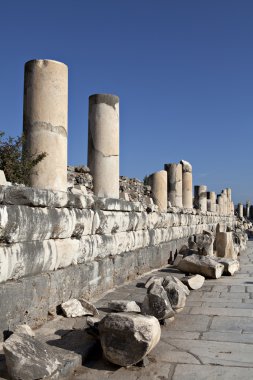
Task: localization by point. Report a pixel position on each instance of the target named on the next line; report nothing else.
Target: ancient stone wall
(56, 245)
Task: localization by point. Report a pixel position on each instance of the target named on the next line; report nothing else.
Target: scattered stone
(30, 359)
(230, 266)
(89, 307)
(24, 329)
(154, 280)
(156, 303)
(224, 245)
(176, 295)
(127, 338)
(124, 306)
(204, 265)
(92, 321)
(193, 282)
(175, 280)
(75, 308)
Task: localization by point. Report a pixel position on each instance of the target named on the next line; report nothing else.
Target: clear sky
(183, 70)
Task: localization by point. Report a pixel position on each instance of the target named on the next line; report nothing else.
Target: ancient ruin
(77, 233)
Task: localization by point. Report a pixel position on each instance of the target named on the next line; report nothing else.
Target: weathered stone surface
(187, 184)
(74, 308)
(204, 243)
(203, 265)
(29, 359)
(157, 303)
(24, 329)
(126, 338)
(168, 279)
(224, 245)
(176, 295)
(89, 307)
(153, 279)
(194, 282)
(177, 260)
(158, 183)
(174, 187)
(124, 306)
(230, 266)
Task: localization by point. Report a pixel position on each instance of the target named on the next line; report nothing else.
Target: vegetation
(14, 161)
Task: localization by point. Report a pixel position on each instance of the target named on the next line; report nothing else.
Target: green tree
(14, 161)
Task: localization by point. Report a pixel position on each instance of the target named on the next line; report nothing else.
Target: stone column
(251, 212)
(247, 209)
(158, 183)
(221, 204)
(45, 122)
(229, 193)
(174, 173)
(240, 210)
(103, 144)
(186, 184)
(200, 197)
(211, 196)
(225, 201)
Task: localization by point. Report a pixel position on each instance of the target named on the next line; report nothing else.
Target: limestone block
(230, 265)
(176, 295)
(153, 279)
(111, 204)
(103, 145)
(204, 265)
(224, 245)
(139, 333)
(194, 282)
(3, 181)
(156, 303)
(108, 222)
(24, 329)
(28, 358)
(158, 183)
(187, 195)
(124, 306)
(174, 175)
(172, 279)
(23, 223)
(46, 121)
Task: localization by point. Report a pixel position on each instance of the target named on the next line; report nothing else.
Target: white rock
(124, 306)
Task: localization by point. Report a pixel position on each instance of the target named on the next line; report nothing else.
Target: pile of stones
(79, 178)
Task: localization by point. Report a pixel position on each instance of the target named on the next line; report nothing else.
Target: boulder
(126, 338)
(176, 280)
(193, 282)
(176, 295)
(178, 258)
(75, 308)
(30, 359)
(224, 245)
(230, 266)
(204, 265)
(156, 303)
(152, 280)
(124, 306)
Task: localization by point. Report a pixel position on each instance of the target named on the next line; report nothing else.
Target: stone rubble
(193, 282)
(77, 308)
(124, 306)
(204, 265)
(156, 303)
(126, 338)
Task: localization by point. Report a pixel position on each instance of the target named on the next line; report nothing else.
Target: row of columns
(45, 126)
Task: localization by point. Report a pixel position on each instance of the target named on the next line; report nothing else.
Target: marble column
(187, 184)
(45, 122)
(247, 212)
(220, 201)
(174, 175)
(200, 197)
(158, 183)
(211, 196)
(240, 210)
(103, 144)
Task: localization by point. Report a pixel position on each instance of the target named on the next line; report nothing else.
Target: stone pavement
(211, 338)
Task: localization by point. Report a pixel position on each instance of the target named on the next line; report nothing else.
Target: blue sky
(183, 70)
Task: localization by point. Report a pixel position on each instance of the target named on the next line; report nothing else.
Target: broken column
(240, 210)
(103, 144)
(211, 201)
(174, 176)
(247, 211)
(158, 183)
(229, 194)
(220, 204)
(45, 122)
(200, 197)
(186, 184)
